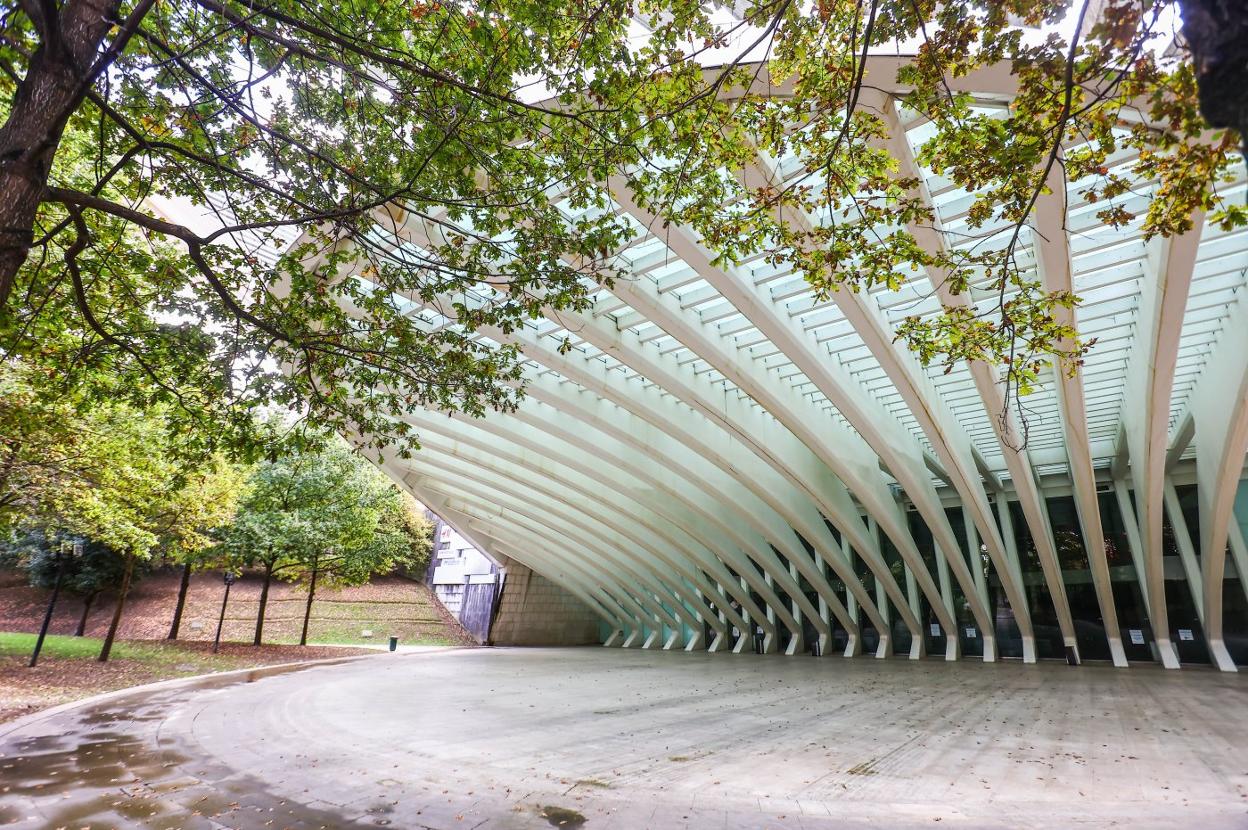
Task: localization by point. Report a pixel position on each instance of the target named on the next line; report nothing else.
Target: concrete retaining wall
(534, 611)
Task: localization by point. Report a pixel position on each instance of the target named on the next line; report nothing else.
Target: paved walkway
(494, 738)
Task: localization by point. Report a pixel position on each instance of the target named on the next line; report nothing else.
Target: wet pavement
(595, 738)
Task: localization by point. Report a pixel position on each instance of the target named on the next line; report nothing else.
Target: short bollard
(394, 643)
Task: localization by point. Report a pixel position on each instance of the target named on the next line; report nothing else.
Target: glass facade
(1134, 629)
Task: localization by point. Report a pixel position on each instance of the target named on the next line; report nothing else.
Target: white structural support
(1150, 378)
(486, 543)
(585, 486)
(691, 441)
(1055, 272)
(643, 591)
(753, 533)
(713, 523)
(899, 452)
(796, 477)
(710, 446)
(1218, 420)
(609, 612)
(624, 541)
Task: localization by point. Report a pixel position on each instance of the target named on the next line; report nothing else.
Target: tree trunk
(264, 600)
(121, 603)
(1216, 32)
(56, 82)
(307, 611)
(86, 611)
(177, 612)
(47, 617)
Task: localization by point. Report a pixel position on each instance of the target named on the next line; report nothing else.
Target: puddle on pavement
(97, 772)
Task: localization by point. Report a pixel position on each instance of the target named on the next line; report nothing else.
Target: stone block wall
(534, 611)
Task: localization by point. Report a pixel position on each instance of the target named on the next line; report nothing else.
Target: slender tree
(85, 570)
(399, 538)
(184, 585)
(328, 517)
(208, 500)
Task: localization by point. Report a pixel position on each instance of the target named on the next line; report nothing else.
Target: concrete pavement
(598, 738)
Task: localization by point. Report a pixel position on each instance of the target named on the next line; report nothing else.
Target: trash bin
(394, 643)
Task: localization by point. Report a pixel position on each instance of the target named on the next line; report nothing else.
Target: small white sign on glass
(1137, 636)
(970, 634)
(1185, 634)
(935, 629)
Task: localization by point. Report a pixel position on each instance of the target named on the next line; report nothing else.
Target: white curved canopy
(721, 449)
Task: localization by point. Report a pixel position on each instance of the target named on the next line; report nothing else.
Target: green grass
(20, 644)
(14, 643)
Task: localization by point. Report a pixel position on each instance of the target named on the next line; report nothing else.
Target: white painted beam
(587, 483)
(1146, 421)
(931, 237)
(1219, 422)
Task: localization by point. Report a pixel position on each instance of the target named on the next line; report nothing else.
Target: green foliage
(330, 511)
(105, 470)
(330, 125)
(96, 568)
(405, 135)
(1104, 115)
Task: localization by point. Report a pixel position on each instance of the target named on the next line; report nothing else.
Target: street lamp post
(61, 560)
(229, 580)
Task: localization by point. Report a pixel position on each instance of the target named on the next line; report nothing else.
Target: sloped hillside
(388, 606)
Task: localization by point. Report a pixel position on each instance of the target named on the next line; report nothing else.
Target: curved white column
(499, 514)
(690, 428)
(1150, 379)
(681, 500)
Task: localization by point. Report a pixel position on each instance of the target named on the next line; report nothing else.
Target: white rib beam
(1150, 379)
(1055, 272)
(585, 484)
(537, 427)
(585, 589)
(694, 440)
(648, 582)
(898, 449)
(794, 465)
(754, 518)
(484, 504)
(1219, 414)
(617, 619)
(626, 537)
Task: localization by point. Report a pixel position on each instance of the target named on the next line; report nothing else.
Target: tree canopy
(106, 471)
(96, 568)
(324, 515)
(469, 149)
(320, 504)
